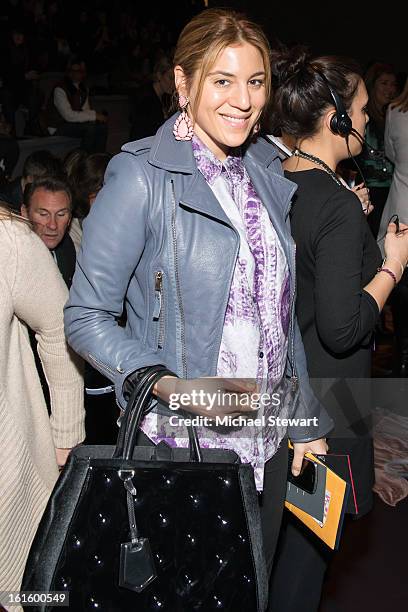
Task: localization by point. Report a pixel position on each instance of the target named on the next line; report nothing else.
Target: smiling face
(50, 214)
(231, 100)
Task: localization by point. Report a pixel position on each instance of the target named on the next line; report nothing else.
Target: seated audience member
(37, 165)
(70, 114)
(34, 444)
(48, 205)
(86, 179)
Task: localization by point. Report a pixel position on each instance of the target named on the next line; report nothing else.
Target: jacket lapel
(198, 196)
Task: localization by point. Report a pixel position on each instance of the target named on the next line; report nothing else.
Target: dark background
(366, 31)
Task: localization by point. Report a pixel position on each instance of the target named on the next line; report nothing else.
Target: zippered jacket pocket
(159, 306)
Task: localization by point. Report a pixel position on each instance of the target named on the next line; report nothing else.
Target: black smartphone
(307, 479)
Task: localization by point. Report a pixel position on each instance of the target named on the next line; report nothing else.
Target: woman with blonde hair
(33, 445)
(196, 243)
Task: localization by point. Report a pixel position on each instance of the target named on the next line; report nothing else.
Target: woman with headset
(341, 283)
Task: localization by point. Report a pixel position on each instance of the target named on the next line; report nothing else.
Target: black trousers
(271, 500)
(299, 570)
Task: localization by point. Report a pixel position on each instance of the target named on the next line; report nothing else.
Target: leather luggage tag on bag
(137, 568)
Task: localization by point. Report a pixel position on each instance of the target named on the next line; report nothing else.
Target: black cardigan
(336, 257)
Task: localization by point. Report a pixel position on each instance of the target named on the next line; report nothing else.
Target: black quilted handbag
(149, 528)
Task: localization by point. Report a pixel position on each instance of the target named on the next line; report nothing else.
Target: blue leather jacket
(158, 240)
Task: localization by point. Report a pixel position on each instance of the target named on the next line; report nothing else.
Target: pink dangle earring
(183, 127)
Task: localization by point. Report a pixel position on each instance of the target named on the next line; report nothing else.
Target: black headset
(340, 123)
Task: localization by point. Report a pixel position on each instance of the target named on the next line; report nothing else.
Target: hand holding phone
(307, 478)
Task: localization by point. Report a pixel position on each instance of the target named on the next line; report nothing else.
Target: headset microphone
(341, 124)
(359, 136)
(363, 141)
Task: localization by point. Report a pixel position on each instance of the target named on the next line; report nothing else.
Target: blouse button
(261, 354)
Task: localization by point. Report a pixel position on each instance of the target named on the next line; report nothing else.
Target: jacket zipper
(291, 351)
(158, 313)
(294, 377)
(102, 365)
(178, 288)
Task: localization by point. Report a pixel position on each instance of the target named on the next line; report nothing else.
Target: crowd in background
(119, 44)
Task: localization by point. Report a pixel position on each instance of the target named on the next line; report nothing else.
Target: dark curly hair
(301, 95)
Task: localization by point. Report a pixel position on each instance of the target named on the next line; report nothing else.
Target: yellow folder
(337, 490)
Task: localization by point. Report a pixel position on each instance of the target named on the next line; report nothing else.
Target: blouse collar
(211, 167)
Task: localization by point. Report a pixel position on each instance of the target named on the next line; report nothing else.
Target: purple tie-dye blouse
(255, 334)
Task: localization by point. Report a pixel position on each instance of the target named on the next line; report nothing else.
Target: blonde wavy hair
(6, 214)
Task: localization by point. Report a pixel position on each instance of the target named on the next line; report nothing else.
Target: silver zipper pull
(158, 283)
(158, 280)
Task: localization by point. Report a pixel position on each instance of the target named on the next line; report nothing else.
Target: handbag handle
(139, 408)
(120, 443)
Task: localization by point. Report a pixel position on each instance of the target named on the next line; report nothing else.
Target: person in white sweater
(33, 444)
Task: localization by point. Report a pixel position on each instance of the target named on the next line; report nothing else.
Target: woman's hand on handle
(210, 397)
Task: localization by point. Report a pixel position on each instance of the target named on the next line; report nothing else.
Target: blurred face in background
(50, 214)
(77, 72)
(18, 38)
(385, 89)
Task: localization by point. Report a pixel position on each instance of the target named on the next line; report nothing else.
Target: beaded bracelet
(390, 272)
(395, 259)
